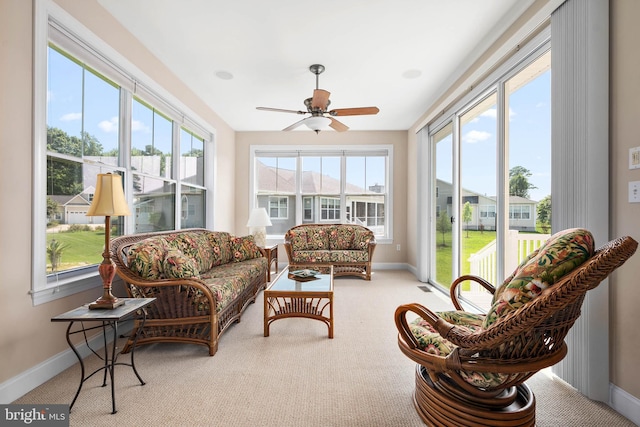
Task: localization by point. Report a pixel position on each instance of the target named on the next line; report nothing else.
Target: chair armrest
(442, 326)
(453, 289)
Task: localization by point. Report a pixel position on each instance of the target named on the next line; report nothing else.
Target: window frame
(272, 151)
(50, 22)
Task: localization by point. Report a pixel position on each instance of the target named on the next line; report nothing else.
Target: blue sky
(529, 142)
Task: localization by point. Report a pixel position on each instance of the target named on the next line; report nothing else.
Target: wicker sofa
(203, 281)
(348, 247)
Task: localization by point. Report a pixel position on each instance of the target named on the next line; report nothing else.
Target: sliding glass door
(491, 201)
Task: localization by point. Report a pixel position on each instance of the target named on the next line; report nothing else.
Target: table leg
(133, 349)
(81, 365)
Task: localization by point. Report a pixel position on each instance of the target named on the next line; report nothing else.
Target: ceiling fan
(318, 108)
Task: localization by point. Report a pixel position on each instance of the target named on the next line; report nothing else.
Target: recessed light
(224, 75)
(412, 74)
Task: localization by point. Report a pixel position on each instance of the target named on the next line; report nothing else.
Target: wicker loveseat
(348, 247)
(203, 280)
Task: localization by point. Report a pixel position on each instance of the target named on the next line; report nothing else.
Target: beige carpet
(296, 377)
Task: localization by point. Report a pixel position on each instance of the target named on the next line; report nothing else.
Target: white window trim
(42, 290)
(321, 150)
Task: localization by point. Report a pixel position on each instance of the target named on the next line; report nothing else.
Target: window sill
(67, 288)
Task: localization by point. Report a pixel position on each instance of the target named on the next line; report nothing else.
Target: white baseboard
(26, 381)
(624, 403)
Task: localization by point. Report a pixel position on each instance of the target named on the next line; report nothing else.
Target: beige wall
(28, 337)
(625, 217)
(386, 253)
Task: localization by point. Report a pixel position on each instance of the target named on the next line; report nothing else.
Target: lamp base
(109, 305)
(106, 303)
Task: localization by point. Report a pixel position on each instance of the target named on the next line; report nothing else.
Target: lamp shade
(317, 123)
(108, 200)
(259, 218)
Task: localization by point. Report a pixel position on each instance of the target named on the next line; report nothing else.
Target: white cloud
(69, 117)
(492, 113)
(109, 126)
(475, 136)
(137, 125)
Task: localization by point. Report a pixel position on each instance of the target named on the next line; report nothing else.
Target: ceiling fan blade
(295, 125)
(354, 111)
(280, 110)
(320, 99)
(338, 126)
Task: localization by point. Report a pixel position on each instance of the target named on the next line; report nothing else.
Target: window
(329, 209)
(92, 117)
(278, 207)
(519, 211)
(487, 211)
(324, 184)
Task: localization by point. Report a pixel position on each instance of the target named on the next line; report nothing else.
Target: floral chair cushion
(244, 248)
(560, 254)
(430, 341)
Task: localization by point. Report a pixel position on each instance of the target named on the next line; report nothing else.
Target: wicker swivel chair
(480, 382)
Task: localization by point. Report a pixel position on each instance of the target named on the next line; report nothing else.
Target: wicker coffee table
(291, 296)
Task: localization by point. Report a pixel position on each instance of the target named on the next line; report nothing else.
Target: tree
(467, 215)
(55, 250)
(544, 214)
(443, 225)
(64, 177)
(52, 208)
(519, 184)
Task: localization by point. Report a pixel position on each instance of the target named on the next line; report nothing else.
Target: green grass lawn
(472, 244)
(83, 248)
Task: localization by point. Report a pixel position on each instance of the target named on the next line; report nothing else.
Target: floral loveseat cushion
(347, 247)
(563, 252)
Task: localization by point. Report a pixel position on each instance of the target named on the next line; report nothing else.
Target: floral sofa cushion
(244, 248)
(193, 245)
(559, 255)
(176, 265)
(185, 255)
(220, 243)
(145, 258)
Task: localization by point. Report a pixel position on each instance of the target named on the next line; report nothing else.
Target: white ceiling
(398, 55)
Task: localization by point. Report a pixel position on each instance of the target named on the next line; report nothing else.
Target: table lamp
(108, 201)
(258, 221)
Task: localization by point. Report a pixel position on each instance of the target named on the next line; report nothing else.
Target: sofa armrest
(174, 297)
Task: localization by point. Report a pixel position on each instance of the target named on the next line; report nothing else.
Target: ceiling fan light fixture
(317, 123)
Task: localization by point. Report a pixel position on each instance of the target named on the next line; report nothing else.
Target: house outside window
(324, 184)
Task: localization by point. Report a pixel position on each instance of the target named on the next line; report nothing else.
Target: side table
(109, 318)
(272, 256)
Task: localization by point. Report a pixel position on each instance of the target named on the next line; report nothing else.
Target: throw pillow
(244, 248)
(176, 265)
(563, 252)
